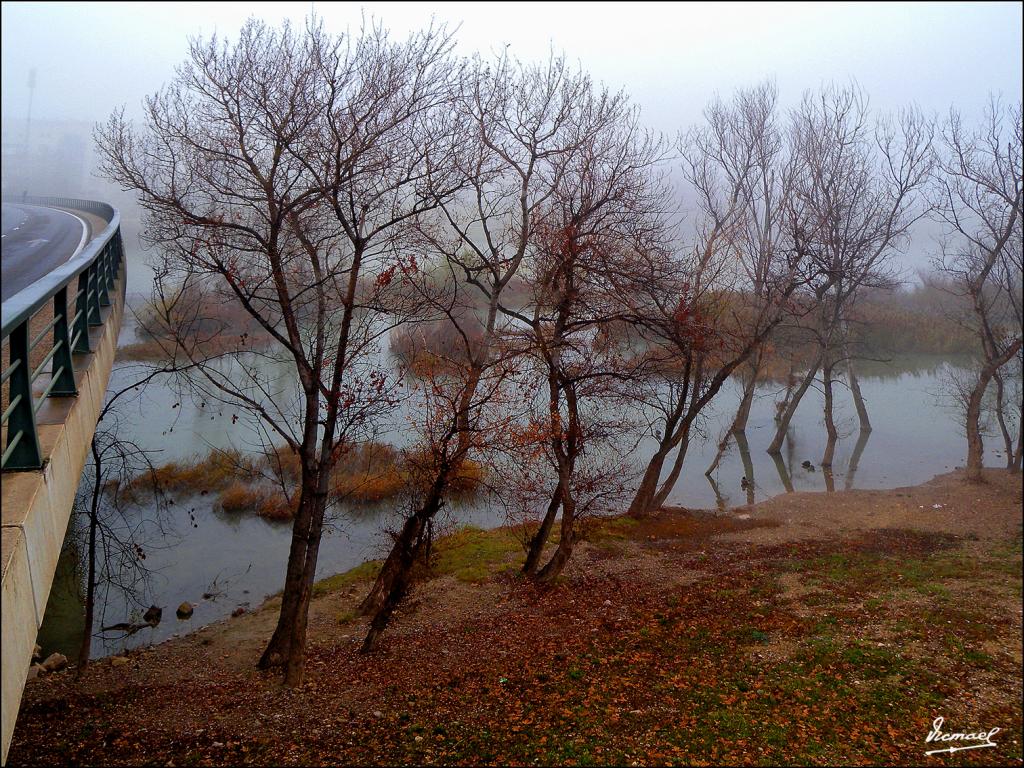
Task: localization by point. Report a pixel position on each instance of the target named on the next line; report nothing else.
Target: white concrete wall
(37, 508)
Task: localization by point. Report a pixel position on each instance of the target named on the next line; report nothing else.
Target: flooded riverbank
(239, 560)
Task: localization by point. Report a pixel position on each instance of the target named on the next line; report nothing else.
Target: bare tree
(977, 195)
(733, 287)
(516, 127)
(281, 176)
(738, 165)
(856, 183)
(116, 543)
(599, 252)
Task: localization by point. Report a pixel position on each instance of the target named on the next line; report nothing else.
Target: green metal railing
(92, 275)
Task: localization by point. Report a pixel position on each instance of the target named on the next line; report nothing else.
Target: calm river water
(241, 559)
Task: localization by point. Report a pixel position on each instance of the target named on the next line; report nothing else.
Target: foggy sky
(93, 57)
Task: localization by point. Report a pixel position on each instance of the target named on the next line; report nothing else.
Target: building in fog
(54, 157)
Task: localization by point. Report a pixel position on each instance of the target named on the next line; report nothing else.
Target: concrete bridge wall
(37, 507)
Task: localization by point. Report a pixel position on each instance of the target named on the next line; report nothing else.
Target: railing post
(93, 295)
(120, 249)
(103, 275)
(22, 450)
(81, 329)
(63, 370)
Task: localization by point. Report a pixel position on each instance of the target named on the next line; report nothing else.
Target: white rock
(54, 662)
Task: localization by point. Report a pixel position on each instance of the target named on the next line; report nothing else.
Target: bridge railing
(77, 290)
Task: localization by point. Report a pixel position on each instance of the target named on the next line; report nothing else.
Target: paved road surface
(34, 241)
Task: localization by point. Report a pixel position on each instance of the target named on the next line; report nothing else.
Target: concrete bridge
(59, 337)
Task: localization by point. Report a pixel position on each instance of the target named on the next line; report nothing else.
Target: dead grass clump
(240, 497)
(436, 346)
(284, 464)
(468, 479)
(369, 487)
(368, 473)
(277, 506)
(198, 318)
(207, 473)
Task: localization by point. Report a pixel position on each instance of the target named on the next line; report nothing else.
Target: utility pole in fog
(31, 93)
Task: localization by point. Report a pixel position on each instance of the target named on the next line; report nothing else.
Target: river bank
(822, 628)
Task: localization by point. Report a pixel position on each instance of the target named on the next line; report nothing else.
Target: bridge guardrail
(96, 269)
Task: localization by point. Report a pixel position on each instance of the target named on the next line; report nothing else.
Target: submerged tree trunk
(1001, 418)
(719, 499)
(858, 398)
(794, 401)
(739, 422)
(780, 467)
(830, 423)
(1018, 454)
(858, 450)
(748, 465)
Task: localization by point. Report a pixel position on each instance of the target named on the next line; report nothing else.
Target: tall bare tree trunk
(296, 666)
(643, 499)
(535, 547)
(300, 571)
(673, 475)
(830, 479)
(794, 401)
(85, 650)
(975, 447)
(407, 546)
(566, 540)
(279, 648)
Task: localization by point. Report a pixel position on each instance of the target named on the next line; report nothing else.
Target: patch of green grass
(472, 554)
(970, 655)
(872, 661)
(611, 528)
(934, 590)
(347, 616)
(747, 635)
(339, 581)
